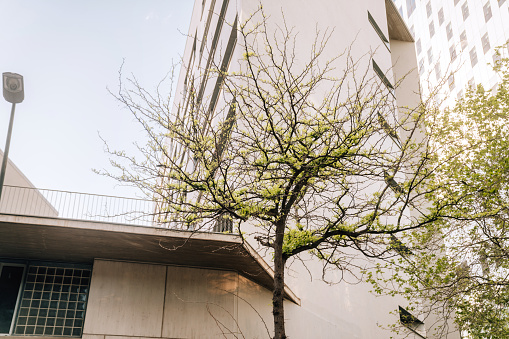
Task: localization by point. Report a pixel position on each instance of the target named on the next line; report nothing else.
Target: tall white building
(458, 36)
(377, 35)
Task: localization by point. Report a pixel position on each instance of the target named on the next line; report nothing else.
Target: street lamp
(14, 92)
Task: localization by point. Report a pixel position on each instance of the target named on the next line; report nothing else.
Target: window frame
(20, 290)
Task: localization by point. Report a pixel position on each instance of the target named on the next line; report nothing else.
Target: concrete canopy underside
(54, 239)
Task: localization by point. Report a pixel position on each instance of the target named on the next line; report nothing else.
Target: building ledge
(56, 239)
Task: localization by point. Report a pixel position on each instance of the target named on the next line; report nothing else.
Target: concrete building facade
(456, 41)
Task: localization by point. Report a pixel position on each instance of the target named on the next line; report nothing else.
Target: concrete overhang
(398, 30)
(55, 239)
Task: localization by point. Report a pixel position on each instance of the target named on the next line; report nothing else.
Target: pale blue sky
(68, 53)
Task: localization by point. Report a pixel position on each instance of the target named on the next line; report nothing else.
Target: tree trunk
(279, 284)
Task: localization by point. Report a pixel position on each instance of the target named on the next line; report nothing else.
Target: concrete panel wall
(126, 299)
(200, 304)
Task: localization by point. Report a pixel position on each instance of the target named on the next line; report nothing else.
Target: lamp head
(14, 89)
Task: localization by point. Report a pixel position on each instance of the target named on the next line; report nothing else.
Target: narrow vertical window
(429, 11)
(430, 56)
(487, 12)
(410, 7)
(382, 77)
(378, 30)
(448, 30)
(463, 40)
(450, 82)
(464, 11)
(438, 71)
(10, 285)
(421, 67)
(452, 52)
(485, 40)
(441, 17)
(431, 29)
(473, 57)
(418, 46)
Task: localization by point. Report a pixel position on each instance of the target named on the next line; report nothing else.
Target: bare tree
(306, 153)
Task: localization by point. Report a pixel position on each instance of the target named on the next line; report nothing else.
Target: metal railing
(74, 205)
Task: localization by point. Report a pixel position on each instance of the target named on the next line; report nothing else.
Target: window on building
(438, 71)
(501, 2)
(485, 40)
(431, 29)
(430, 56)
(456, 2)
(410, 7)
(460, 95)
(496, 58)
(471, 83)
(421, 67)
(464, 11)
(448, 30)
(412, 322)
(412, 31)
(452, 52)
(487, 11)
(450, 82)
(400, 10)
(473, 57)
(378, 30)
(428, 9)
(50, 300)
(382, 77)
(463, 40)
(418, 46)
(441, 17)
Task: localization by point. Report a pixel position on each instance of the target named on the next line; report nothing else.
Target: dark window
(430, 56)
(464, 11)
(410, 321)
(487, 11)
(431, 29)
(382, 76)
(10, 283)
(410, 7)
(448, 29)
(428, 9)
(485, 43)
(418, 46)
(452, 52)
(464, 41)
(473, 57)
(378, 30)
(440, 16)
(52, 302)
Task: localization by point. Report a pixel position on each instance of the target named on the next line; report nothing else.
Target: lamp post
(14, 92)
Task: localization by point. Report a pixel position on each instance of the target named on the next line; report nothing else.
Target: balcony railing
(72, 205)
(95, 207)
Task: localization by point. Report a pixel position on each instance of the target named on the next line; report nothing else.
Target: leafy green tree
(306, 152)
(460, 262)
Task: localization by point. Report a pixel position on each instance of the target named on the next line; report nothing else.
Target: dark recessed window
(428, 9)
(430, 56)
(464, 11)
(410, 7)
(412, 322)
(452, 52)
(448, 30)
(418, 46)
(473, 57)
(10, 285)
(487, 11)
(382, 76)
(485, 43)
(440, 16)
(431, 29)
(378, 30)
